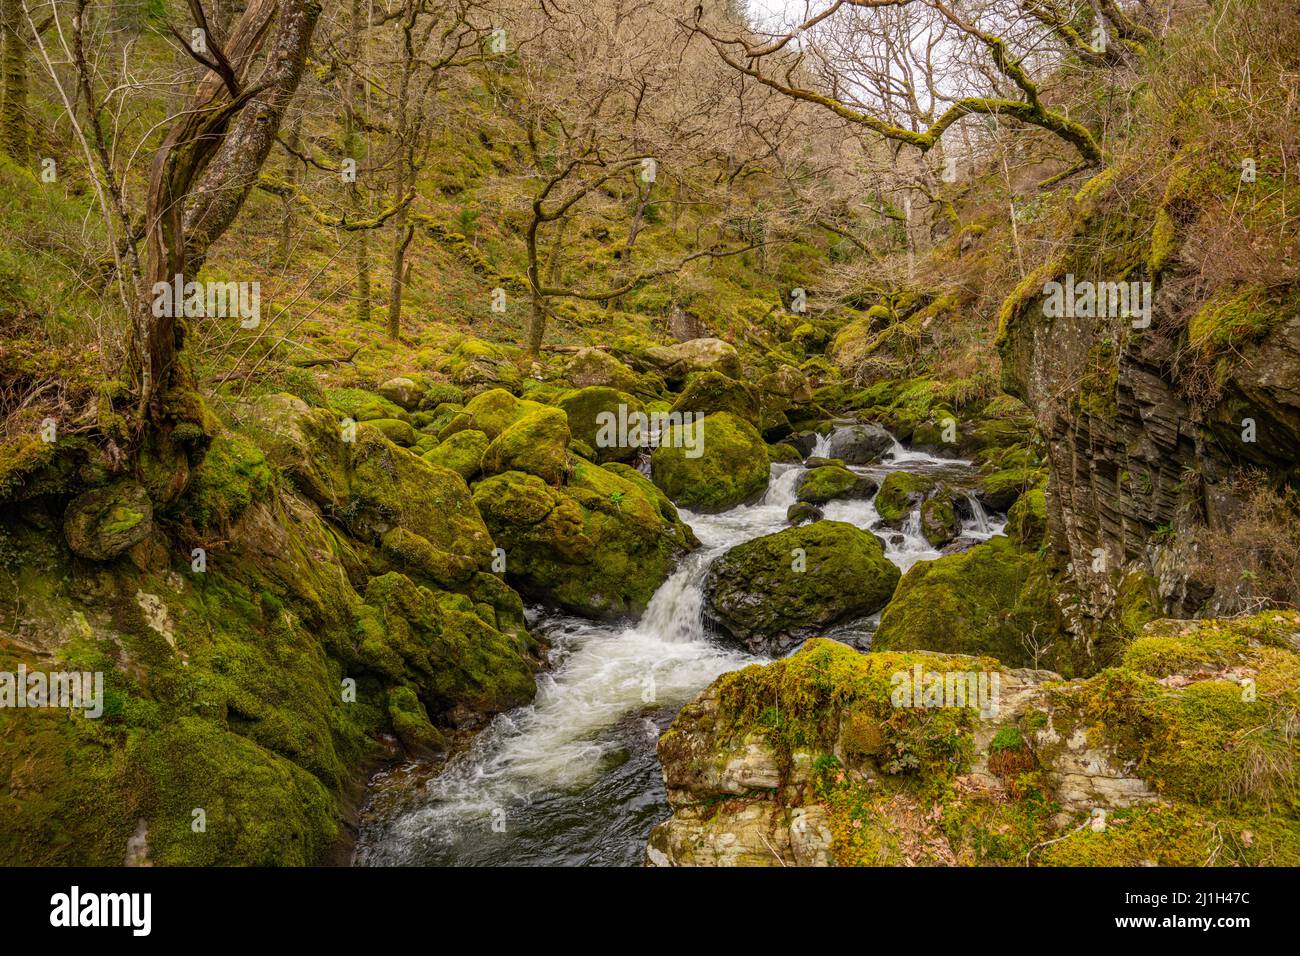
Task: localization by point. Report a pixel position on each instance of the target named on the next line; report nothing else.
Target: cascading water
(572, 778)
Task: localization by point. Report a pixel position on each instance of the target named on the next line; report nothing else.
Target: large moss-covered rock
(900, 493)
(772, 592)
(233, 474)
(830, 482)
(939, 521)
(102, 523)
(709, 392)
(369, 485)
(677, 361)
(477, 366)
(590, 410)
(597, 367)
(458, 661)
(537, 444)
(462, 452)
(831, 755)
(600, 545)
(401, 391)
(789, 383)
(1000, 489)
(731, 466)
(992, 599)
(396, 431)
(491, 413)
(362, 406)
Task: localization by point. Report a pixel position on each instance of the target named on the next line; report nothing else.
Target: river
(572, 778)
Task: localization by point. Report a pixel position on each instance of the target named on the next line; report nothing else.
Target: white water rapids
(572, 778)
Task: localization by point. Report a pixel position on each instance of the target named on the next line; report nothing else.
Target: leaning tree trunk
(204, 169)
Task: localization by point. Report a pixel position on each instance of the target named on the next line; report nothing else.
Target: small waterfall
(821, 447)
(912, 525)
(980, 522)
(783, 487)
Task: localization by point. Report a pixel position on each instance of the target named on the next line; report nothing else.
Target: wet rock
(772, 592)
(801, 512)
(859, 444)
(832, 482)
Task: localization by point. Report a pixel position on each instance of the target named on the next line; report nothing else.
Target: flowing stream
(572, 778)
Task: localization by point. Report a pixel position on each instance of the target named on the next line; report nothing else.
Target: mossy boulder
(731, 466)
(367, 484)
(1027, 520)
(462, 452)
(596, 367)
(478, 366)
(1000, 489)
(830, 482)
(536, 444)
(362, 406)
(589, 409)
(709, 392)
(939, 521)
(772, 592)
(788, 383)
(104, 522)
(802, 512)
(677, 361)
(491, 413)
(600, 545)
(401, 391)
(460, 663)
(233, 474)
(396, 431)
(900, 493)
(992, 599)
(410, 722)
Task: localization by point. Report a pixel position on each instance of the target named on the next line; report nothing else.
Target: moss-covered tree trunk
(13, 82)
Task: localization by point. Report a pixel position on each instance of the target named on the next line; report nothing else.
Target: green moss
(589, 408)
(599, 545)
(1234, 317)
(233, 474)
(709, 392)
(900, 492)
(732, 466)
(492, 412)
(536, 444)
(1027, 520)
(462, 452)
(991, 599)
(829, 482)
(939, 522)
(798, 703)
(783, 587)
(363, 406)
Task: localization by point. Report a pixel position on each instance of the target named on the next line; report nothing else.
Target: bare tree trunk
(204, 170)
(405, 232)
(13, 82)
(536, 326)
